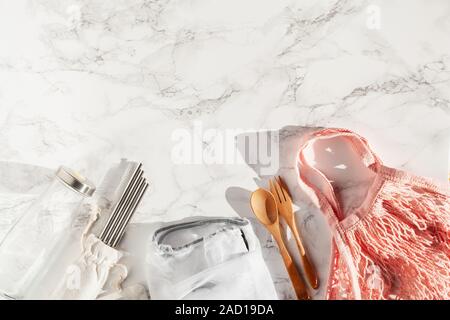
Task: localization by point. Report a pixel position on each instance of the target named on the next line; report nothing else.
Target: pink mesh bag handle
(323, 194)
(399, 248)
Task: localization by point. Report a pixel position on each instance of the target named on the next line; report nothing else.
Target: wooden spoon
(265, 208)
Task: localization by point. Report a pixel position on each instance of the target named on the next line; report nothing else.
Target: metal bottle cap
(75, 181)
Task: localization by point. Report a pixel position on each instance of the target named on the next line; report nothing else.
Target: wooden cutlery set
(268, 208)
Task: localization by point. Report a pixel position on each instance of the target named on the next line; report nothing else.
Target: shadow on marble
(23, 178)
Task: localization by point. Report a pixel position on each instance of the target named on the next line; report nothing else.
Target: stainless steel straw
(133, 192)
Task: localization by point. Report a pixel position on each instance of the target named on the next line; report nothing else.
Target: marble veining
(85, 83)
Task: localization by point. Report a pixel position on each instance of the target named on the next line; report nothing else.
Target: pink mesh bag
(395, 243)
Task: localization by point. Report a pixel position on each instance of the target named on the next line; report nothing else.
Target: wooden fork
(284, 203)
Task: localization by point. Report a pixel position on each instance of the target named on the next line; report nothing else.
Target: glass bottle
(30, 241)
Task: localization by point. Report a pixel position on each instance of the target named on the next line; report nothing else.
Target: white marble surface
(85, 83)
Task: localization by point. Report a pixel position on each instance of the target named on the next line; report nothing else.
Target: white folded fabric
(86, 277)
